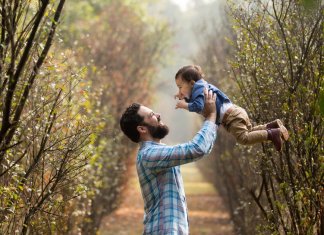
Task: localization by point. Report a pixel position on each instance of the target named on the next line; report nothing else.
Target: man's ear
(141, 129)
(192, 82)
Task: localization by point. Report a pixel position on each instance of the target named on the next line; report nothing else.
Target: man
(158, 165)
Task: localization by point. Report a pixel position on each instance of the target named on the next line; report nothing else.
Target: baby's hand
(181, 104)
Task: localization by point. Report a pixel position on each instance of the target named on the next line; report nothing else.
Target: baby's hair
(190, 73)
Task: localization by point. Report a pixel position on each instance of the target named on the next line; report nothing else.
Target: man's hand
(209, 111)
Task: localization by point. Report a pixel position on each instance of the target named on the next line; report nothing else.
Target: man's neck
(149, 138)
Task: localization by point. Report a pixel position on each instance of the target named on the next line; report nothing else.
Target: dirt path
(207, 214)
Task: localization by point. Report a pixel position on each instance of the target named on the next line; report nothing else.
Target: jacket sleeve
(161, 156)
(197, 100)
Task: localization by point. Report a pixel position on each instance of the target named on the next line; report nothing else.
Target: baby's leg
(244, 136)
(240, 126)
(259, 127)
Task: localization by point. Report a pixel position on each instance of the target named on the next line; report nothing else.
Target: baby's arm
(197, 104)
(182, 104)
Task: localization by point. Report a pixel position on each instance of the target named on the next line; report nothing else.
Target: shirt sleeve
(197, 101)
(162, 156)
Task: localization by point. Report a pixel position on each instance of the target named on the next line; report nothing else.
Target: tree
(279, 69)
(121, 47)
(42, 136)
(227, 170)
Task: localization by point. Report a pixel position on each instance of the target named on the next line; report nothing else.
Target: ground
(207, 214)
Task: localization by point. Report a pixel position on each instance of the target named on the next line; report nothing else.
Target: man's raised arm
(162, 156)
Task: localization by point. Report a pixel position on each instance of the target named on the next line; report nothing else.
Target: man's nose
(158, 116)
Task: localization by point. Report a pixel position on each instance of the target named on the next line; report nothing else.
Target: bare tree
(121, 64)
(42, 136)
(279, 70)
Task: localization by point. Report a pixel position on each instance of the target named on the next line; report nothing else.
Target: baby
(191, 84)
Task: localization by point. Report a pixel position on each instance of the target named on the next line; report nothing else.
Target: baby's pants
(237, 122)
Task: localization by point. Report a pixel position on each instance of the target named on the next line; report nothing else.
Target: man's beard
(158, 132)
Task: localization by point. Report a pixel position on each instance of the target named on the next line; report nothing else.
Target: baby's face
(184, 87)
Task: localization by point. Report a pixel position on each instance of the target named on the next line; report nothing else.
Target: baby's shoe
(275, 136)
(278, 124)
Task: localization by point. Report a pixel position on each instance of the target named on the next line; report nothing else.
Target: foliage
(280, 71)
(229, 170)
(42, 136)
(59, 133)
(121, 47)
(278, 67)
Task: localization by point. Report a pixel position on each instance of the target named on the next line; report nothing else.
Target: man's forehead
(143, 111)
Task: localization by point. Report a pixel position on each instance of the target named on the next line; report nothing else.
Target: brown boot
(275, 136)
(278, 124)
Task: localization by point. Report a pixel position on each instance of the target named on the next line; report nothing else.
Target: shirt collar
(149, 142)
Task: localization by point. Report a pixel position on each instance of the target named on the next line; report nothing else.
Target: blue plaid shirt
(158, 169)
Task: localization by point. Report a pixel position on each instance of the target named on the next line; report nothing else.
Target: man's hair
(190, 73)
(130, 120)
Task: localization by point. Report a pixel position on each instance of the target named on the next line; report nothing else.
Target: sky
(185, 4)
